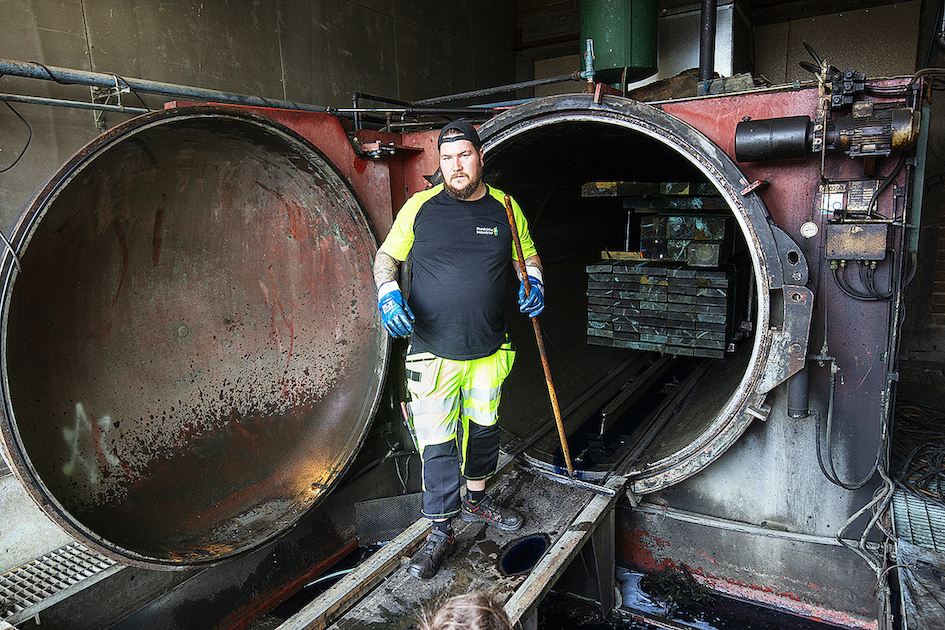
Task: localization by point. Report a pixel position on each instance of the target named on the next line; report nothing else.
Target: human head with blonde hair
(471, 611)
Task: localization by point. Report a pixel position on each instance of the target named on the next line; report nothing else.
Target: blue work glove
(396, 315)
(535, 302)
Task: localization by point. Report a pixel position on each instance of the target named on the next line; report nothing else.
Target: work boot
(484, 511)
(426, 562)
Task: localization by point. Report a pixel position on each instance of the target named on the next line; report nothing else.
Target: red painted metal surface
(424, 164)
(370, 180)
(856, 331)
(192, 348)
(792, 183)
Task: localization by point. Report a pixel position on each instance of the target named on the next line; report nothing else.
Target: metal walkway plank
(559, 556)
(549, 507)
(350, 589)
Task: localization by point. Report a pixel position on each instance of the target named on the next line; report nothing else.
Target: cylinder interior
(552, 163)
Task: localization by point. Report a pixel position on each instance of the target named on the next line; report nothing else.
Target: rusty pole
(541, 344)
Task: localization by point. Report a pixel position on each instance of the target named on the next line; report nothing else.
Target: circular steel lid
(192, 353)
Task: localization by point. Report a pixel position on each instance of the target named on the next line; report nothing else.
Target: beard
(464, 193)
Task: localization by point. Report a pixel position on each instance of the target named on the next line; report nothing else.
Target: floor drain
(521, 555)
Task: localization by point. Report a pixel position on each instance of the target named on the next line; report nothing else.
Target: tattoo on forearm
(385, 268)
(533, 261)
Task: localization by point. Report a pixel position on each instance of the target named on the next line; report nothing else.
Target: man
(461, 246)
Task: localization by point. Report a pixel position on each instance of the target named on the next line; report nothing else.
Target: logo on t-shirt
(487, 231)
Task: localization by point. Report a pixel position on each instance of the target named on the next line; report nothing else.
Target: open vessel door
(191, 349)
(576, 140)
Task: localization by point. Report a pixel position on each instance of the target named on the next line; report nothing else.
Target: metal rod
(574, 76)
(41, 100)
(593, 397)
(570, 481)
(541, 344)
(356, 103)
(34, 70)
(589, 63)
(737, 526)
(456, 111)
(357, 96)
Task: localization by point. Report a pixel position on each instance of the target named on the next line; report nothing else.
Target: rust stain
(295, 216)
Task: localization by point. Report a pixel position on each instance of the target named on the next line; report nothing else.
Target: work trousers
(454, 408)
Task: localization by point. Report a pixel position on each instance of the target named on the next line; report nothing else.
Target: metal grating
(30, 587)
(919, 521)
(381, 520)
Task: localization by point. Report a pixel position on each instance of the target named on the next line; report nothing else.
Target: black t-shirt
(461, 255)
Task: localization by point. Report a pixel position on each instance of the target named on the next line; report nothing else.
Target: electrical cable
(870, 272)
(29, 137)
(404, 478)
(935, 73)
(879, 504)
(849, 291)
(330, 576)
(127, 85)
(856, 548)
(825, 460)
(885, 494)
(51, 75)
(883, 186)
(879, 90)
(918, 453)
(870, 294)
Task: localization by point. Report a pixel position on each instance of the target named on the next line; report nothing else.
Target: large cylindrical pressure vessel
(561, 157)
(191, 349)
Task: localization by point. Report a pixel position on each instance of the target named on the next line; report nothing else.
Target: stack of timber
(663, 307)
(697, 240)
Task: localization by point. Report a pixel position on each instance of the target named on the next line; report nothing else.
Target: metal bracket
(793, 262)
(789, 336)
(102, 95)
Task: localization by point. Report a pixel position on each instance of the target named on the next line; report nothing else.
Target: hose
(825, 459)
(870, 296)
